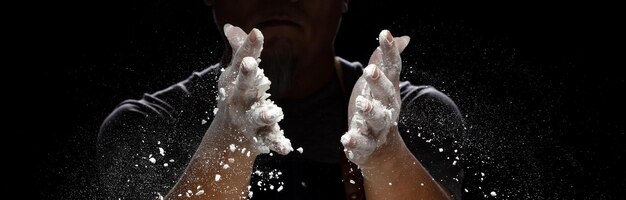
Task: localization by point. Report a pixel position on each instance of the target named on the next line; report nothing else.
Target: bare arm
(246, 124)
(373, 142)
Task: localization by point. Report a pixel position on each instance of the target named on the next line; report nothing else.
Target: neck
(313, 72)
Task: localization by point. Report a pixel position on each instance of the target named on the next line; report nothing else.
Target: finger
(392, 63)
(245, 84)
(381, 87)
(357, 146)
(401, 44)
(235, 36)
(354, 138)
(377, 116)
(251, 47)
(277, 140)
(266, 114)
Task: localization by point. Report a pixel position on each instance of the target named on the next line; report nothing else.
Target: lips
(277, 22)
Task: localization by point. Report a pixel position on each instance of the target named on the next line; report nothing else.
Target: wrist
(389, 161)
(223, 141)
(387, 154)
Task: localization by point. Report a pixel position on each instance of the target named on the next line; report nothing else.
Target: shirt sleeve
(433, 128)
(144, 145)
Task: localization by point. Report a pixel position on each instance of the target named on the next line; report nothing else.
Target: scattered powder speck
(300, 149)
(231, 160)
(217, 177)
(203, 121)
(352, 181)
(390, 183)
(440, 149)
(226, 166)
(232, 147)
(279, 188)
(161, 151)
(493, 193)
(152, 160)
(165, 165)
(200, 192)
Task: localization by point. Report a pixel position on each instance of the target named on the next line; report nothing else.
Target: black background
(539, 82)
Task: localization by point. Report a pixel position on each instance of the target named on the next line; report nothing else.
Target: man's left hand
(375, 106)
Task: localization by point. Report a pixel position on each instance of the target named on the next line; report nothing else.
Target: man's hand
(375, 105)
(244, 126)
(243, 102)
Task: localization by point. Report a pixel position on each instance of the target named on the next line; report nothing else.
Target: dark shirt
(144, 145)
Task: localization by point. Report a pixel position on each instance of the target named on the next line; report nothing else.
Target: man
(210, 136)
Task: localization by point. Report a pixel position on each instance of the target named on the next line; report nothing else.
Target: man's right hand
(245, 125)
(243, 107)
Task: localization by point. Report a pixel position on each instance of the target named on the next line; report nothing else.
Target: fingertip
(257, 33)
(227, 28)
(363, 104)
(402, 42)
(383, 35)
(372, 72)
(248, 64)
(270, 116)
(255, 36)
(406, 38)
(347, 141)
(385, 38)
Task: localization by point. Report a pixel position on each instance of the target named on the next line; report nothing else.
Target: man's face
(289, 26)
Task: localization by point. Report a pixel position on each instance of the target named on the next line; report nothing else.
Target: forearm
(401, 176)
(216, 169)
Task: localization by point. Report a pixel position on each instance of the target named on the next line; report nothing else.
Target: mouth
(277, 23)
